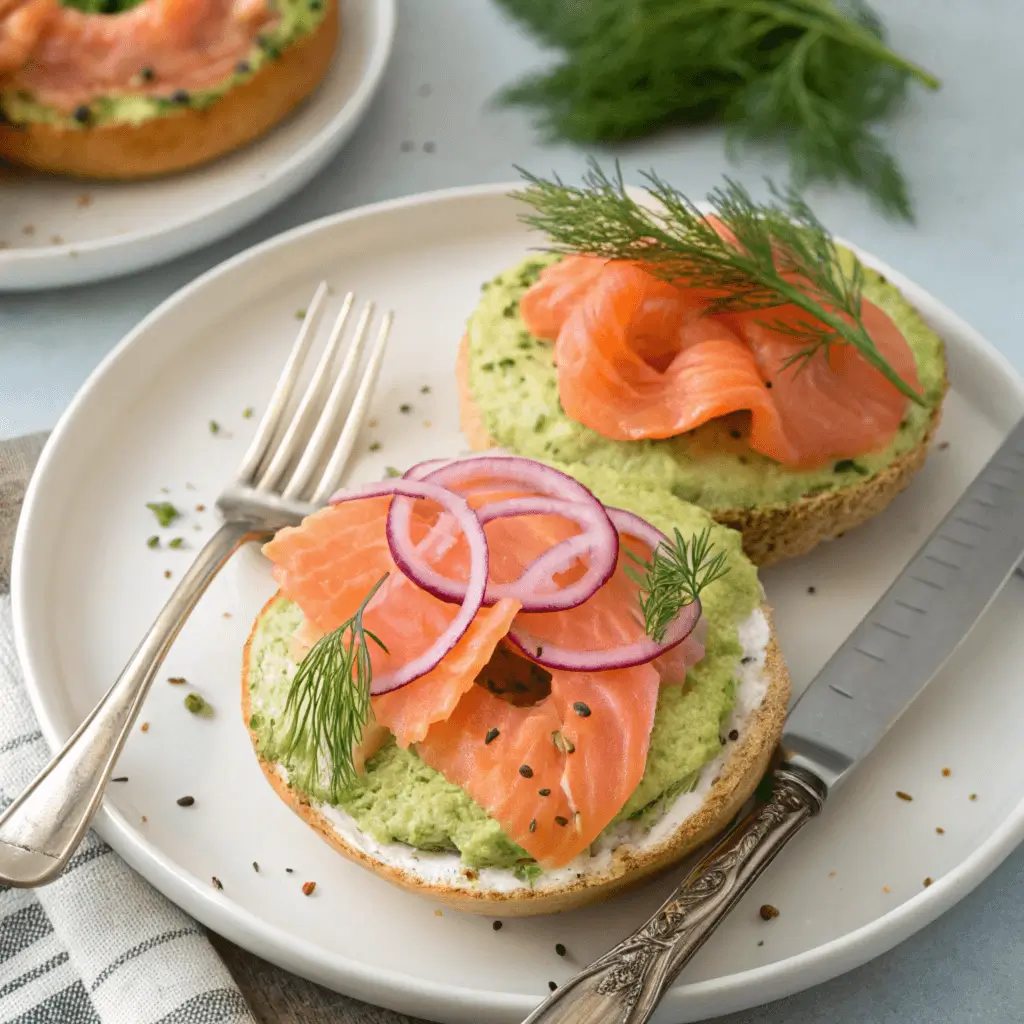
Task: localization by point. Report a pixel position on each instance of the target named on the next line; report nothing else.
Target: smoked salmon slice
(553, 803)
(638, 357)
(328, 565)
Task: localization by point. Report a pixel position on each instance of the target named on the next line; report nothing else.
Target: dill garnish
(329, 705)
(779, 253)
(813, 75)
(674, 577)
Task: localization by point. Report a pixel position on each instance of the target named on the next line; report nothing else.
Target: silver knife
(849, 706)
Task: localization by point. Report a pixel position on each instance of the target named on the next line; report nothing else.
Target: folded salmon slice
(329, 564)
(638, 357)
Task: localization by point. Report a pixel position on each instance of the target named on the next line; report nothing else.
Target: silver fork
(290, 469)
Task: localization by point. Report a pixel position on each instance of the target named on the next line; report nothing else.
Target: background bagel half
(180, 138)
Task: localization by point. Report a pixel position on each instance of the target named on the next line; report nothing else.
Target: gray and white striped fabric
(99, 945)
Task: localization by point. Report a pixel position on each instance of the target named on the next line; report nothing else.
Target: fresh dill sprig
(814, 76)
(674, 577)
(779, 253)
(329, 705)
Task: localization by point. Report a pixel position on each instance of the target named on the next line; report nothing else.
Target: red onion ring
(559, 495)
(459, 508)
(638, 653)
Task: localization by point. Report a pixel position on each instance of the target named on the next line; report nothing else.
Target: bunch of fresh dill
(813, 75)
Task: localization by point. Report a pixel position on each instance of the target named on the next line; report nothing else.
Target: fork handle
(44, 825)
(626, 984)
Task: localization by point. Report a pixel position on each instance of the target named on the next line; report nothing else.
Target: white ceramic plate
(56, 232)
(86, 586)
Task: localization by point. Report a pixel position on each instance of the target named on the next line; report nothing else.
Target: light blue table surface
(963, 150)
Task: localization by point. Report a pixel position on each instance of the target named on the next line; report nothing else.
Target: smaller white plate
(56, 231)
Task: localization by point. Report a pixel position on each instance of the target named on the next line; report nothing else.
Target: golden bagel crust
(746, 765)
(183, 138)
(771, 533)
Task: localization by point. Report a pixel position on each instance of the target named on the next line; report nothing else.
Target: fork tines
(300, 450)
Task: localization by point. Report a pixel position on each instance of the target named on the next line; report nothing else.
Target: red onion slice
(459, 508)
(559, 495)
(638, 653)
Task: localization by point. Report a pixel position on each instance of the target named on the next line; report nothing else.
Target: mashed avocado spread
(401, 799)
(296, 18)
(513, 380)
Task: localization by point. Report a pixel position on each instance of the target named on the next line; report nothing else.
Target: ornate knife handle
(626, 984)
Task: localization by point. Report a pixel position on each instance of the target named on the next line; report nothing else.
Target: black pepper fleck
(496, 925)
(581, 709)
(544, 792)
(405, 407)
(147, 74)
(767, 383)
(186, 801)
(180, 96)
(526, 771)
(82, 114)
(735, 434)
(255, 867)
(734, 735)
(242, 67)
(552, 986)
(561, 821)
(811, 590)
(217, 883)
(533, 824)
(492, 734)
(559, 949)
(289, 871)
(120, 778)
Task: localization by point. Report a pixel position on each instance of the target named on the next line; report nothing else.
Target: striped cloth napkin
(99, 945)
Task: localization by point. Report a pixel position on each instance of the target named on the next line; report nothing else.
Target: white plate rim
(38, 267)
(727, 993)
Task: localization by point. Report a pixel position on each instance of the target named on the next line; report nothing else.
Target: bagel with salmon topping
(149, 89)
(447, 814)
(512, 395)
